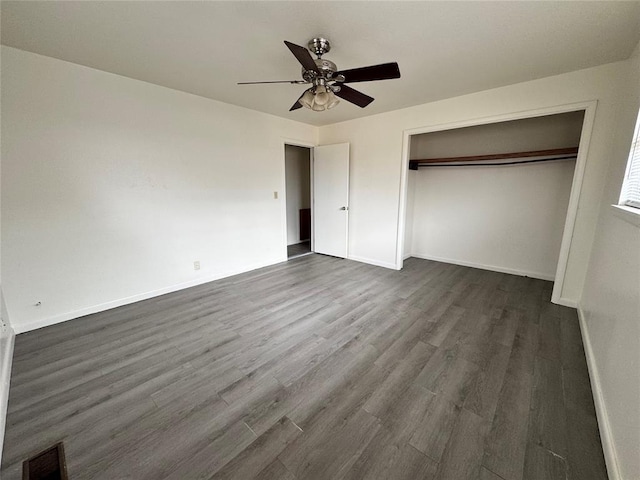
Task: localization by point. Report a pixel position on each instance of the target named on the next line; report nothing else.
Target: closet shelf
(570, 151)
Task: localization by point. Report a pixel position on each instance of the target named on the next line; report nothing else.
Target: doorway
(298, 200)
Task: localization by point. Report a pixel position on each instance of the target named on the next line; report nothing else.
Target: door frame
(283, 208)
(589, 108)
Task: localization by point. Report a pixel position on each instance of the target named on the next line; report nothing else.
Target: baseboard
(408, 255)
(7, 339)
(371, 261)
(494, 268)
(566, 302)
(608, 446)
(63, 317)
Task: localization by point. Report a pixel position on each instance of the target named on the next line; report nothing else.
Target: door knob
(344, 208)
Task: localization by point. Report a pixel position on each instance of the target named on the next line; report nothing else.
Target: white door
(331, 199)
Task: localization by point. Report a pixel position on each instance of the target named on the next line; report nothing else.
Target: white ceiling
(444, 49)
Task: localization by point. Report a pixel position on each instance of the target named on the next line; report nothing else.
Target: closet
(493, 196)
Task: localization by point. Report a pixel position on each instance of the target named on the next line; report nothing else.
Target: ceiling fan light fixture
(333, 100)
(316, 107)
(321, 96)
(307, 99)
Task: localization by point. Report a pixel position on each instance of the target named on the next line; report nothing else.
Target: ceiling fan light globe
(322, 98)
(333, 101)
(307, 99)
(316, 107)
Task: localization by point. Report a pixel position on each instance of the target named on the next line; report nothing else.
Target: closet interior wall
(503, 218)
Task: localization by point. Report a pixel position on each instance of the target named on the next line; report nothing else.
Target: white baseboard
(371, 261)
(566, 302)
(408, 255)
(494, 268)
(608, 446)
(7, 339)
(63, 317)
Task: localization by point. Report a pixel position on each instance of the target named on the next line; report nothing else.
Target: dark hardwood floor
(317, 368)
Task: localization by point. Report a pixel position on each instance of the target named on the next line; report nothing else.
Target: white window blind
(631, 187)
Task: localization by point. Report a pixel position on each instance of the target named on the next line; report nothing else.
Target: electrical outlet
(275, 195)
(196, 265)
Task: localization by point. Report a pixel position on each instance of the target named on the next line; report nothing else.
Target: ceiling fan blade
(384, 71)
(303, 56)
(297, 105)
(274, 81)
(354, 96)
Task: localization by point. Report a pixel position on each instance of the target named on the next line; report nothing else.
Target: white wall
(112, 188)
(527, 134)
(376, 157)
(7, 338)
(298, 184)
(507, 219)
(503, 218)
(610, 304)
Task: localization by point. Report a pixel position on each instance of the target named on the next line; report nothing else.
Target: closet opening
(298, 200)
(497, 196)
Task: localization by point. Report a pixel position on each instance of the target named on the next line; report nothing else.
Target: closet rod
(476, 164)
(413, 164)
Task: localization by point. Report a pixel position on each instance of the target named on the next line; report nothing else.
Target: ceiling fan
(327, 82)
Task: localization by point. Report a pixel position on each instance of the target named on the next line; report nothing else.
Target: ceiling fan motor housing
(327, 69)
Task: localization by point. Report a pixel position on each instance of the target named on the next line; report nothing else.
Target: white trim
(574, 199)
(407, 255)
(7, 339)
(371, 261)
(63, 317)
(608, 445)
(494, 268)
(283, 185)
(589, 108)
(628, 214)
(402, 203)
(567, 302)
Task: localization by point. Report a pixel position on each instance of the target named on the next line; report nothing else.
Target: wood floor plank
(400, 379)
(433, 432)
(485, 390)
(315, 368)
(462, 457)
(209, 459)
(453, 377)
(488, 475)
(311, 456)
(261, 453)
(585, 459)
(541, 463)
(506, 443)
(549, 346)
(383, 459)
(275, 471)
(547, 423)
